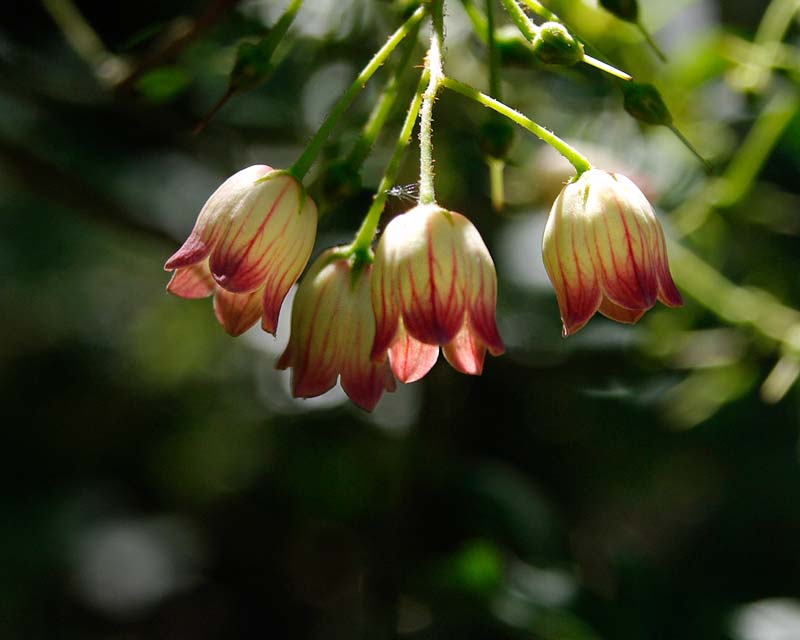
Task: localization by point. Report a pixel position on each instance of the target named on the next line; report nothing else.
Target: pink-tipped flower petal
(292, 258)
(569, 264)
(613, 311)
(192, 282)
(237, 312)
(667, 291)
(431, 275)
(385, 303)
(621, 239)
(465, 352)
(363, 380)
(482, 290)
(410, 358)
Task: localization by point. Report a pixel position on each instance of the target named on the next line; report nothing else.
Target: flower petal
(362, 380)
(192, 282)
(622, 239)
(383, 293)
(286, 266)
(237, 312)
(410, 358)
(432, 276)
(466, 351)
(568, 262)
(667, 291)
(620, 314)
(316, 344)
(481, 288)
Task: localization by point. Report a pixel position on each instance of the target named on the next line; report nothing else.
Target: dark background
(626, 483)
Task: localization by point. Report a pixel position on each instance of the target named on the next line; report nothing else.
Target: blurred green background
(159, 481)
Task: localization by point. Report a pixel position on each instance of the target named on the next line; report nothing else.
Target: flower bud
(554, 44)
(644, 102)
(433, 284)
(604, 250)
(253, 236)
(332, 332)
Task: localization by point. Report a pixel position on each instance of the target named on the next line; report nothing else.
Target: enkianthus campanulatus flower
(251, 242)
(433, 284)
(604, 250)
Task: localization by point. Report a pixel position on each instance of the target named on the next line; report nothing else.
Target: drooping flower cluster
(366, 321)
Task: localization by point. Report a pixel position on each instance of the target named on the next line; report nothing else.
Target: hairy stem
(365, 234)
(433, 65)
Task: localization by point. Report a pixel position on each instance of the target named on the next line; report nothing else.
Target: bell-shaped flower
(433, 284)
(604, 250)
(250, 243)
(332, 333)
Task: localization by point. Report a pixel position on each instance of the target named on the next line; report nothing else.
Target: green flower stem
(383, 106)
(539, 9)
(433, 64)
(300, 168)
(577, 159)
(364, 236)
(518, 17)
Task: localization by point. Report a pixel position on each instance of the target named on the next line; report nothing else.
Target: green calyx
(554, 44)
(627, 10)
(644, 102)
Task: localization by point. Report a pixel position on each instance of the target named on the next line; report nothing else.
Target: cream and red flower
(251, 242)
(604, 250)
(433, 284)
(332, 333)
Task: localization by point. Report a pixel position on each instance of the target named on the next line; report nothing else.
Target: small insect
(404, 192)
